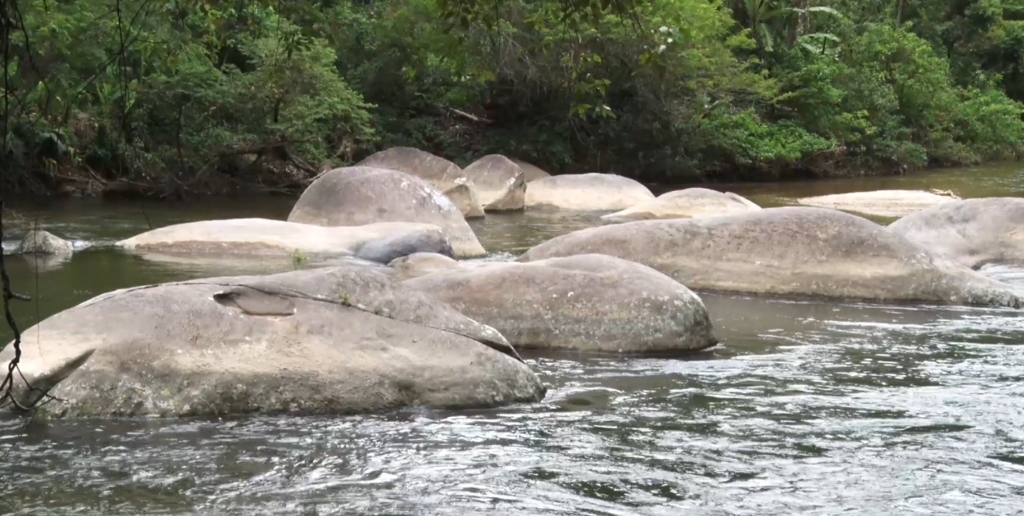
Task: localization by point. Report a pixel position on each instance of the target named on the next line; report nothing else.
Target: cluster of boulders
(392, 317)
(495, 183)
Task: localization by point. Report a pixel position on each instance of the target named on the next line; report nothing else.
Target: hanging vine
(9, 13)
(8, 8)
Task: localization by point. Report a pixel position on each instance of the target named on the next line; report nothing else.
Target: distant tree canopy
(204, 95)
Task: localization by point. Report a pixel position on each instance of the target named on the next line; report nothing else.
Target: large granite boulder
(500, 183)
(591, 303)
(321, 341)
(441, 173)
(787, 251)
(421, 264)
(586, 192)
(882, 203)
(465, 198)
(355, 196)
(974, 232)
(684, 204)
(530, 171)
(379, 242)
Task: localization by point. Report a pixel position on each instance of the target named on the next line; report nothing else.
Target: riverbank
(226, 104)
(282, 180)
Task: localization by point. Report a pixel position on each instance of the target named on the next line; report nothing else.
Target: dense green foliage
(199, 96)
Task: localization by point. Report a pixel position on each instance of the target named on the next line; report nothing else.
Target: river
(804, 408)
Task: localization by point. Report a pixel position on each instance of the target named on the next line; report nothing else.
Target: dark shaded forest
(174, 98)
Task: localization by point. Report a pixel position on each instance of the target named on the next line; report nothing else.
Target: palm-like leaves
(771, 20)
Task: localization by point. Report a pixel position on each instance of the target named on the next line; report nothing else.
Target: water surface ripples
(805, 408)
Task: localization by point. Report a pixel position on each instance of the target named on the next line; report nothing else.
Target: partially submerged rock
(882, 203)
(684, 204)
(586, 192)
(530, 171)
(39, 242)
(585, 303)
(379, 242)
(441, 173)
(436, 170)
(465, 198)
(787, 251)
(320, 341)
(974, 232)
(355, 196)
(499, 182)
(421, 264)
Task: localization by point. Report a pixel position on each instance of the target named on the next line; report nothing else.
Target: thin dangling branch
(6, 26)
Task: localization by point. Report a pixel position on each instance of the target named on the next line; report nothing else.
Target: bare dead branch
(468, 116)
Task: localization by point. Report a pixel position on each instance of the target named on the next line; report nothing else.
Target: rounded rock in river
(239, 238)
(588, 302)
(499, 182)
(683, 204)
(798, 251)
(354, 196)
(40, 242)
(338, 340)
(586, 192)
(881, 203)
(974, 232)
(443, 174)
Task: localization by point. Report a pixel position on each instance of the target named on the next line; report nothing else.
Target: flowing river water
(804, 408)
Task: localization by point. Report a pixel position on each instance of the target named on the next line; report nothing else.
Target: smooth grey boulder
(974, 232)
(421, 264)
(530, 171)
(465, 198)
(499, 182)
(379, 242)
(797, 251)
(355, 196)
(589, 302)
(339, 340)
(882, 203)
(443, 174)
(586, 192)
(40, 242)
(684, 204)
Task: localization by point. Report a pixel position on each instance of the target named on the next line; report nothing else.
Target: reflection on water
(515, 233)
(1003, 180)
(805, 408)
